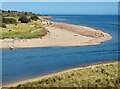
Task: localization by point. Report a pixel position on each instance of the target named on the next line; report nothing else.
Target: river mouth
(22, 64)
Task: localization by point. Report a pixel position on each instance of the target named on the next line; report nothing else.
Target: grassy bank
(33, 29)
(102, 75)
(21, 25)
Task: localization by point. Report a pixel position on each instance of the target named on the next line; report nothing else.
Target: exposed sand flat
(62, 34)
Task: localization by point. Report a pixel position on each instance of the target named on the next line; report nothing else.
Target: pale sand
(59, 73)
(61, 34)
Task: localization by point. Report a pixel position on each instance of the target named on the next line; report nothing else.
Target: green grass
(33, 29)
(100, 76)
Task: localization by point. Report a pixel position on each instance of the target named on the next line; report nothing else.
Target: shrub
(3, 25)
(9, 21)
(25, 13)
(24, 19)
(8, 11)
(34, 18)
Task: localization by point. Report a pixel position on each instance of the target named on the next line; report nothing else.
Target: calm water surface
(32, 62)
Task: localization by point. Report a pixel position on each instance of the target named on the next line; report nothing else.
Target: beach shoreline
(60, 72)
(61, 35)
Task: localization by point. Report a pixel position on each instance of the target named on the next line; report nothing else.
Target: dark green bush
(24, 19)
(9, 21)
(34, 18)
(3, 25)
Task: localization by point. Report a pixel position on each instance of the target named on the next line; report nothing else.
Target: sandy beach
(61, 34)
(59, 73)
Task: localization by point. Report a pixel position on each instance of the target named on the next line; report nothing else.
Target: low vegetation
(34, 18)
(103, 75)
(33, 29)
(3, 25)
(11, 13)
(21, 25)
(9, 20)
(24, 19)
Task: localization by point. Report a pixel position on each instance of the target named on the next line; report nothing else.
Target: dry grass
(99, 76)
(34, 29)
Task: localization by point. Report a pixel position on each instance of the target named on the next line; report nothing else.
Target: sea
(21, 64)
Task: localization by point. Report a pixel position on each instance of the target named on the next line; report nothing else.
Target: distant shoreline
(61, 35)
(61, 72)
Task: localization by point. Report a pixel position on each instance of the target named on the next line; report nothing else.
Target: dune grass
(33, 29)
(103, 75)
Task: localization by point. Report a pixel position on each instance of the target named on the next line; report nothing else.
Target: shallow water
(27, 63)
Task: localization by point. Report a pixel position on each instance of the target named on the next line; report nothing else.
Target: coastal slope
(61, 34)
(96, 76)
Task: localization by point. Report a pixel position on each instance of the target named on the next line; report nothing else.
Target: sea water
(27, 63)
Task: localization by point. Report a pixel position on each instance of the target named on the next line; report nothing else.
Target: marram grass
(103, 75)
